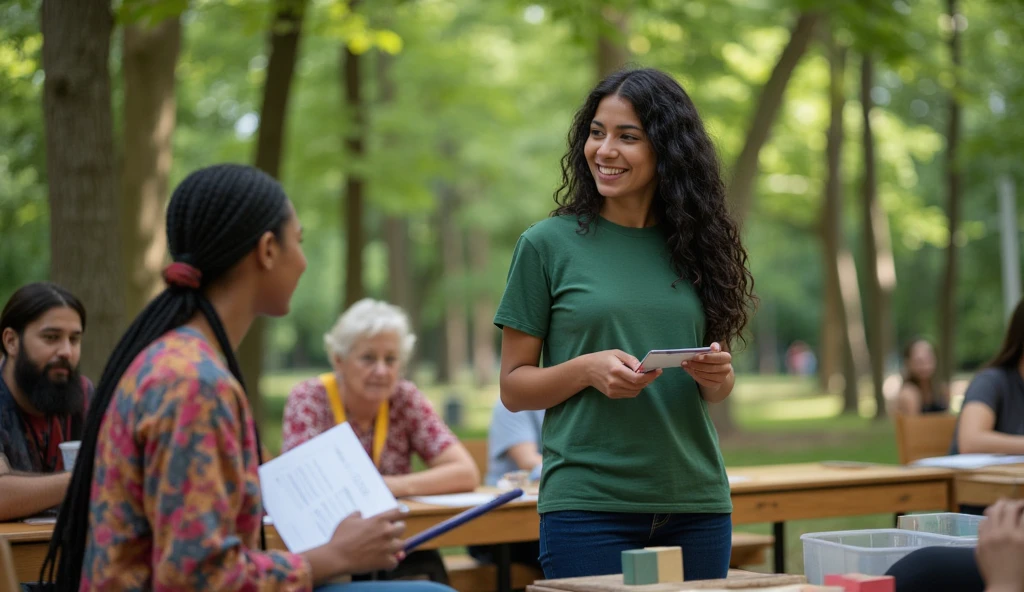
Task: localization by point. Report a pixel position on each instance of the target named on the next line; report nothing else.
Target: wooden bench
(750, 549)
(466, 574)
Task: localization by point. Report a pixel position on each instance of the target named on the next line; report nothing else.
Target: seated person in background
(992, 417)
(42, 396)
(920, 393)
(513, 444)
(392, 419)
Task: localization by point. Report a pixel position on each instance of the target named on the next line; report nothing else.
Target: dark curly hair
(702, 237)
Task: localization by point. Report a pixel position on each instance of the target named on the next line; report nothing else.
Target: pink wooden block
(862, 583)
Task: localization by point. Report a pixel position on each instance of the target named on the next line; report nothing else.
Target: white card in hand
(669, 358)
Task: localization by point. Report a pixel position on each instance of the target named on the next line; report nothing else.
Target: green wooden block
(639, 567)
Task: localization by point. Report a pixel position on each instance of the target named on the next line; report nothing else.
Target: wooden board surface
(821, 475)
(980, 489)
(737, 580)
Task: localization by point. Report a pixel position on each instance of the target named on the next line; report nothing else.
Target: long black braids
(215, 217)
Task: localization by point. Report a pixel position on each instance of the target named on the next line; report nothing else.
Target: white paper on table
(738, 479)
(968, 461)
(310, 489)
(463, 500)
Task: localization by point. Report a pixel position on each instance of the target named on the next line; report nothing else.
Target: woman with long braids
(640, 254)
(165, 494)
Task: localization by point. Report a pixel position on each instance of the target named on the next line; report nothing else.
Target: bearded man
(42, 396)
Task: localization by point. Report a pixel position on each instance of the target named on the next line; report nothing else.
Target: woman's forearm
(530, 387)
(446, 478)
(990, 442)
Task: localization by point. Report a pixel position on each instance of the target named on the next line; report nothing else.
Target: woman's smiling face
(620, 156)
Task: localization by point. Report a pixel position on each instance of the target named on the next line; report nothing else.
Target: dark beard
(59, 398)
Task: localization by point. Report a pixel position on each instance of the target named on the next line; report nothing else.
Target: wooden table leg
(503, 560)
(779, 530)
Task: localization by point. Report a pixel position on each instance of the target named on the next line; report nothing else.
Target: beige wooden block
(670, 563)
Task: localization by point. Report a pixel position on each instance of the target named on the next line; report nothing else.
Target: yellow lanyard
(380, 430)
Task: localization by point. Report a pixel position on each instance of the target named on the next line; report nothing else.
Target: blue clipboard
(460, 519)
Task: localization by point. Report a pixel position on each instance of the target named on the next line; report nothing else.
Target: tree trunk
(396, 228)
(285, 31)
(881, 268)
(841, 271)
(484, 355)
(947, 297)
(1009, 234)
(353, 206)
(857, 357)
(82, 183)
(456, 331)
(830, 358)
(400, 283)
(612, 53)
(744, 170)
(149, 59)
(766, 339)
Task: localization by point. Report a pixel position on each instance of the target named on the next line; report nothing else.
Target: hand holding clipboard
(460, 519)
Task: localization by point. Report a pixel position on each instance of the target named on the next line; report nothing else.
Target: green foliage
(484, 92)
(24, 214)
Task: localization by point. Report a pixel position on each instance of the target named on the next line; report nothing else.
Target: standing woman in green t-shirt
(641, 254)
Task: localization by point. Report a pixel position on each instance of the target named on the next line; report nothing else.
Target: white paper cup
(70, 452)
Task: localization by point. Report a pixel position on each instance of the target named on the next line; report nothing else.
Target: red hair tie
(182, 275)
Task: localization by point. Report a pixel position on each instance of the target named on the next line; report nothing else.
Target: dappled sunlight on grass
(818, 407)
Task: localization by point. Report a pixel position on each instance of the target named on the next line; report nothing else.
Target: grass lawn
(781, 419)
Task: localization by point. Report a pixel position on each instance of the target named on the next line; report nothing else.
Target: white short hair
(369, 318)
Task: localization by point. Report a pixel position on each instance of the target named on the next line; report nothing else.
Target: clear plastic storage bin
(947, 523)
(870, 552)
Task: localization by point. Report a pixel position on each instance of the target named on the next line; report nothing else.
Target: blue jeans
(385, 586)
(575, 543)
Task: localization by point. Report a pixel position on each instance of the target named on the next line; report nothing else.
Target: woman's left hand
(710, 370)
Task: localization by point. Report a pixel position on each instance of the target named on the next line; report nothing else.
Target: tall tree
(401, 286)
(84, 241)
(612, 53)
(396, 227)
(149, 58)
(355, 148)
(285, 33)
(840, 269)
(947, 295)
(744, 170)
(484, 354)
(878, 257)
(453, 264)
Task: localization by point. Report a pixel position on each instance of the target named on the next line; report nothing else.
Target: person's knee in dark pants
(938, 569)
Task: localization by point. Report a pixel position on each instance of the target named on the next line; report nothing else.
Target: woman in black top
(992, 416)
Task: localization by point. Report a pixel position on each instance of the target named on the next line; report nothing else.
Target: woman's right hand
(613, 372)
(360, 545)
(1000, 545)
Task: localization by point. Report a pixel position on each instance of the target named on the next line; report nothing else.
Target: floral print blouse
(175, 500)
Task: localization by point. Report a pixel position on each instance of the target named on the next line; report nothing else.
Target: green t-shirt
(612, 288)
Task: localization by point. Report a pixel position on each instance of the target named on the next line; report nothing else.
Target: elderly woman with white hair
(368, 347)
